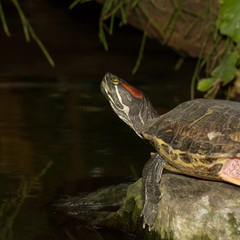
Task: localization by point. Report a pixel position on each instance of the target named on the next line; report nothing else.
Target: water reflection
(14, 144)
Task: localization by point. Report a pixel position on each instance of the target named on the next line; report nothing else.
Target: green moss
(234, 226)
(202, 237)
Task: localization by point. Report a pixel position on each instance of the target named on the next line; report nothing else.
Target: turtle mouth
(106, 92)
(104, 88)
(231, 171)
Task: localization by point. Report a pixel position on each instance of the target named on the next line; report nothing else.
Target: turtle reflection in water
(200, 138)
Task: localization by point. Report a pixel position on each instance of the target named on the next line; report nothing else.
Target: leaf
(28, 30)
(73, 4)
(205, 83)
(229, 19)
(4, 23)
(226, 70)
(140, 54)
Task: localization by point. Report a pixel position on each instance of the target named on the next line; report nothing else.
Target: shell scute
(167, 134)
(195, 146)
(205, 148)
(184, 143)
(185, 158)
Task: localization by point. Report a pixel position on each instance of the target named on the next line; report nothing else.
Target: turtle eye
(115, 81)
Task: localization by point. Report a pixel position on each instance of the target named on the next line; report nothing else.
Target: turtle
(199, 138)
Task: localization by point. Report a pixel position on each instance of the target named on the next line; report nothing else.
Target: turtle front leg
(151, 178)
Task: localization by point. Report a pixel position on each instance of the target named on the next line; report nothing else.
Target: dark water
(69, 130)
(59, 137)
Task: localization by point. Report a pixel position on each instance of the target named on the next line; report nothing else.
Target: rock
(93, 208)
(198, 209)
(189, 209)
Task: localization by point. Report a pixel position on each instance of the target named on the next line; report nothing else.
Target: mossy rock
(189, 209)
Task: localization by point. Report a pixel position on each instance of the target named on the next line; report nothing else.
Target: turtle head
(130, 104)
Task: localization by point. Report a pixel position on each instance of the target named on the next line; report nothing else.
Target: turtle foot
(149, 213)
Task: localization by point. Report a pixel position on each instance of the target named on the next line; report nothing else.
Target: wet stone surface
(189, 209)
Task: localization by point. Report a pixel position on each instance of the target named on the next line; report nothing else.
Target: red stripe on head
(133, 90)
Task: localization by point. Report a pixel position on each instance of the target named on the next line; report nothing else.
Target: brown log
(196, 16)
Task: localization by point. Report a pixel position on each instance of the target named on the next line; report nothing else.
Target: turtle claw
(149, 228)
(144, 225)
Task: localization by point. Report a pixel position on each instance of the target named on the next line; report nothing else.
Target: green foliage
(229, 19)
(76, 2)
(4, 23)
(222, 74)
(226, 71)
(140, 53)
(27, 29)
(205, 83)
(222, 59)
